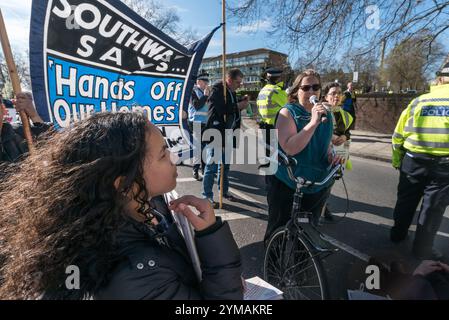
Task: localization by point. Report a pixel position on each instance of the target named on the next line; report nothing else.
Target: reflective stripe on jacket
(347, 118)
(198, 115)
(270, 100)
(423, 126)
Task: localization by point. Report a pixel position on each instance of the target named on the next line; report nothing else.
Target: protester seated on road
(12, 141)
(306, 136)
(429, 281)
(83, 201)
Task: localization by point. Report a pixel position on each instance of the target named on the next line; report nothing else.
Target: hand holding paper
(187, 233)
(205, 219)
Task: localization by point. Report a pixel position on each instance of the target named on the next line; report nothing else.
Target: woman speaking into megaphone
(304, 131)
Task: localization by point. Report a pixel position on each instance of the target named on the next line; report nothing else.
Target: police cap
(203, 76)
(274, 72)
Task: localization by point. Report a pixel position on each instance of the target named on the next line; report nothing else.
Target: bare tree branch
(164, 18)
(333, 24)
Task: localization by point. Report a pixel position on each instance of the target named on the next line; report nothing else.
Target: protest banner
(90, 56)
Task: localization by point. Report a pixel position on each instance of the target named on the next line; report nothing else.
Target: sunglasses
(314, 87)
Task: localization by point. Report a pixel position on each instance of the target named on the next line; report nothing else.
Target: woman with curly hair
(88, 198)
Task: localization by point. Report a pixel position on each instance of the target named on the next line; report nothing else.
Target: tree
(23, 71)
(320, 28)
(330, 75)
(164, 18)
(407, 64)
(368, 69)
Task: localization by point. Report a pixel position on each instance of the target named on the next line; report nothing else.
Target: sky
(204, 15)
(200, 15)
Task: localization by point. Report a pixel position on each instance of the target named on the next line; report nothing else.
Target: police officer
(270, 100)
(421, 152)
(197, 118)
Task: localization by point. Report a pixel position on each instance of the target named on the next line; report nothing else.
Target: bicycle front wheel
(293, 266)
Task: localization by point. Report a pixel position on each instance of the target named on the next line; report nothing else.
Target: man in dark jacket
(12, 140)
(223, 114)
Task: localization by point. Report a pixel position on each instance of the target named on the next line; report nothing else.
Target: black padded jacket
(162, 269)
(12, 142)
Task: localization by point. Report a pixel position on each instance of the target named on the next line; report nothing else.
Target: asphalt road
(363, 233)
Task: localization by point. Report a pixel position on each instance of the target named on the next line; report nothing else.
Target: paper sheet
(258, 289)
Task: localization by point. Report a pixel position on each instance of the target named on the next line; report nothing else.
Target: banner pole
(15, 81)
(223, 15)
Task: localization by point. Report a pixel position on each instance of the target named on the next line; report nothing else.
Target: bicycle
(294, 252)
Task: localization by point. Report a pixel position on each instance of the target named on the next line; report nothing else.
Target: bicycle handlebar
(289, 162)
(286, 160)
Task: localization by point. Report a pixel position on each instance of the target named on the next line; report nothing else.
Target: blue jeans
(210, 171)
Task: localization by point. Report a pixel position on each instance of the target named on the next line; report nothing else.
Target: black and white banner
(91, 56)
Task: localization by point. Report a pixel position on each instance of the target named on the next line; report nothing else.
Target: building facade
(252, 63)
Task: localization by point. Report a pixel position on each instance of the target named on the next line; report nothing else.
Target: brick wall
(380, 113)
(375, 113)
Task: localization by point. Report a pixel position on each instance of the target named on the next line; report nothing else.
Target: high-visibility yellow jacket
(342, 120)
(347, 118)
(270, 100)
(423, 126)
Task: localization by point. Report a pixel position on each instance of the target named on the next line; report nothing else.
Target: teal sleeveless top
(312, 161)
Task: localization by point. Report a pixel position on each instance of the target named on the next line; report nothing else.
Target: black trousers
(422, 177)
(267, 128)
(280, 201)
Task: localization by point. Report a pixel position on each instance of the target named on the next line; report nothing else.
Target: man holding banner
(224, 114)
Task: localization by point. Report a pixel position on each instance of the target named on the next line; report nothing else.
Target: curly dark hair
(59, 207)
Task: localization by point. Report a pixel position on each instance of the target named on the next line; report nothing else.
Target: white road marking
(347, 248)
(367, 217)
(377, 220)
(235, 192)
(244, 196)
(186, 180)
(227, 215)
(333, 241)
